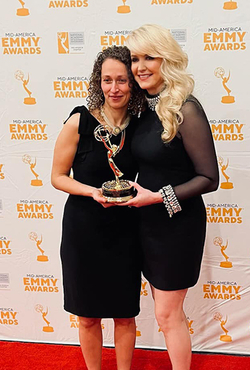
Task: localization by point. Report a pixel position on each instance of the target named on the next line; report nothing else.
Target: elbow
(54, 182)
(214, 184)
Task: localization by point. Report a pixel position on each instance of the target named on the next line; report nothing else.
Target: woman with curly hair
(99, 247)
(175, 152)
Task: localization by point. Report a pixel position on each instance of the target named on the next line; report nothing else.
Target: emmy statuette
(115, 191)
(219, 242)
(28, 100)
(224, 337)
(220, 73)
(47, 328)
(225, 184)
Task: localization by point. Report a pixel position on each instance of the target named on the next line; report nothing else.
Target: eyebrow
(136, 55)
(124, 76)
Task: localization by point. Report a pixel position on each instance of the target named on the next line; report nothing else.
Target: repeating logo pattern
(45, 75)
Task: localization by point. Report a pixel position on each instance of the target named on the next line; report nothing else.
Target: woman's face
(146, 71)
(115, 83)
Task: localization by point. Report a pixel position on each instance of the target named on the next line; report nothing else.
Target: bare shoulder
(73, 122)
(69, 133)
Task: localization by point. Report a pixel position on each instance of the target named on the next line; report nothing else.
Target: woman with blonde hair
(174, 148)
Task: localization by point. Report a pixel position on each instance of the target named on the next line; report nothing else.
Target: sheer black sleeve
(198, 142)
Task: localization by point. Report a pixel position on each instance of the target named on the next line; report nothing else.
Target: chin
(144, 85)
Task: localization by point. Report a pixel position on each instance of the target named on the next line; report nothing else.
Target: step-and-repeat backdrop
(47, 52)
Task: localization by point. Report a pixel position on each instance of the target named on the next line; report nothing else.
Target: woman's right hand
(144, 197)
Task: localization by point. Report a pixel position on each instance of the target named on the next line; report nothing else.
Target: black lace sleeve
(198, 142)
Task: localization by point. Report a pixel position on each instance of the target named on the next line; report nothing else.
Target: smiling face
(115, 84)
(146, 71)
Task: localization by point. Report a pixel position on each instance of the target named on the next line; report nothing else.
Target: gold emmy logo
(20, 76)
(225, 337)
(230, 5)
(63, 42)
(218, 242)
(27, 160)
(39, 309)
(138, 333)
(34, 237)
(220, 73)
(227, 184)
(123, 8)
(22, 11)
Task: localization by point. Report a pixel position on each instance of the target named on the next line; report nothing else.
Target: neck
(115, 116)
(157, 90)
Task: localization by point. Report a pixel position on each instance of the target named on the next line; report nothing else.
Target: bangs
(140, 45)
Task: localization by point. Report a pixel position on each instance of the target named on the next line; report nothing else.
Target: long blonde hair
(156, 41)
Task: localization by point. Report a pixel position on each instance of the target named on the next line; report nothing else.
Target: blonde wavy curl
(156, 41)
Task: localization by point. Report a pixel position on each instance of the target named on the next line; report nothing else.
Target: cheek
(133, 69)
(127, 94)
(129, 91)
(104, 89)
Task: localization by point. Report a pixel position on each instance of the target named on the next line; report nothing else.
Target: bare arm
(64, 154)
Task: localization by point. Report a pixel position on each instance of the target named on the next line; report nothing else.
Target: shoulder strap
(86, 123)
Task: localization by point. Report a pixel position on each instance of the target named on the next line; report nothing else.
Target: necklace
(115, 129)
(152, 101)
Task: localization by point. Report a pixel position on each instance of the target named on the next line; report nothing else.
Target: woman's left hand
(144, 197)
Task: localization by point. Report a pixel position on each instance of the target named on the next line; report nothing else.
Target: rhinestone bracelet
(170, 200)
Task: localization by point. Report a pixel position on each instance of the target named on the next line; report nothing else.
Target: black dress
(173, 247)
(99, 247)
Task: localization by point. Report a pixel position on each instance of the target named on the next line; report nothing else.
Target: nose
(141, 65)
(114, 87)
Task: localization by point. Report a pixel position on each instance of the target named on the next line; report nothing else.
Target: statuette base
(225, 338)
(29, 101)
(48, 329)
(42, 258)
(36, 182)
(22, 12)
(226, 264)
(227, 99)
(118, 192)
(230, 5)
(226, 185)
(123, 9)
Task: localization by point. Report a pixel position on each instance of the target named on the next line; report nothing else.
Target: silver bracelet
(170, 200)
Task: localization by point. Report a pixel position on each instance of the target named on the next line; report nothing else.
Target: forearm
(196, 186)
(72, 186)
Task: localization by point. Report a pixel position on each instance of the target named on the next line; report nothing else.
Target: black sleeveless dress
(99, 247)
(172, 247)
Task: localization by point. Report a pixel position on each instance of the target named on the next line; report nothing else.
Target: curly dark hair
(95, 97)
